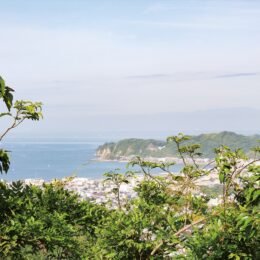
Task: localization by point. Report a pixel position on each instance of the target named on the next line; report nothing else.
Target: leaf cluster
(17, 112)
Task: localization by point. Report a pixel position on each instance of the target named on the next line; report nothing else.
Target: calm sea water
(48, 160)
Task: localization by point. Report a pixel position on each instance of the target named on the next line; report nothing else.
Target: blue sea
(56, 159)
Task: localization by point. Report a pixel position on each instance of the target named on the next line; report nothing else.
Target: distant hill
(155, 148)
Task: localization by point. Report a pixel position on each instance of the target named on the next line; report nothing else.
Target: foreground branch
(178, 233)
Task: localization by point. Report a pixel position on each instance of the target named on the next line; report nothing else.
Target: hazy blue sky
(94, 64)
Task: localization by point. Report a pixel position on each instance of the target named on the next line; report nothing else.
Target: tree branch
(178, 233)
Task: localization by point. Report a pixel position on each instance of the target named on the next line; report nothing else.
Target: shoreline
(127, 159)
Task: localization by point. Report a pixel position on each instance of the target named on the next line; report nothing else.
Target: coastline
(127, 159)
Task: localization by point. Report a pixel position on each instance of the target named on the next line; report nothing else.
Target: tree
(18, 112)
(117, 179)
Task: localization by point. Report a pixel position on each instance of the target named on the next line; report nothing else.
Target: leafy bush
(48, 221)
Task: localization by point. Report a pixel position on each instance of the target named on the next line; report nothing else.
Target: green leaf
(256, 195)
(5, 114)
(2, 87)
(221, 177)
(4, 161)
(8, 97)
(234, 256)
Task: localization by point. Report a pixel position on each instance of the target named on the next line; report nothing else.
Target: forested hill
(155, 148)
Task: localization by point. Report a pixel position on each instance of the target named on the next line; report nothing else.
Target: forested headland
(159, 149)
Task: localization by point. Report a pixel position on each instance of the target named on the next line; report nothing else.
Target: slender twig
(166, 170)
(7, 130)
(147, 173)
(189, 226)
(14, 125)
(245, 166)
(118, 196)
(208, 164)
(193, 160)
(180, 153)
(178, 233)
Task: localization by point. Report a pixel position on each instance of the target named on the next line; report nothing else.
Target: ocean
(50, 159)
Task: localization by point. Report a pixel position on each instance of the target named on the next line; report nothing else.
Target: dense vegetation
(155, 148)
(169, 219)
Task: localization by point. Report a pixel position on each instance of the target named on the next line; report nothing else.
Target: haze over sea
(48, 159)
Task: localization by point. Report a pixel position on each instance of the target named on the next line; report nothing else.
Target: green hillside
(156, 148)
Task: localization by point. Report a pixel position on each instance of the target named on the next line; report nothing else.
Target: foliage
(4, 161)
(17, 112)
(48, 221)
(169, 219)
(234, 232)
(117, 179)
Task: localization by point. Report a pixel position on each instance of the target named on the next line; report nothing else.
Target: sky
(105, 68)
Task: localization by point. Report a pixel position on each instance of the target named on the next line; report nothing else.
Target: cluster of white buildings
(101, 191)
(98, 191)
